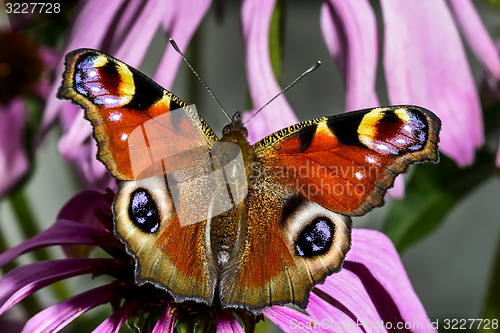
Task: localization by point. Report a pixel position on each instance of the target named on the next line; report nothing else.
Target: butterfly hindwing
(347, 162)
(173, 257)
(275, 262)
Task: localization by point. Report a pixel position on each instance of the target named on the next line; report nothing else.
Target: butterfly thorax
(237, 162)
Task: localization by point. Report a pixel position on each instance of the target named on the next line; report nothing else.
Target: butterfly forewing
(346, 163)
(119, 99)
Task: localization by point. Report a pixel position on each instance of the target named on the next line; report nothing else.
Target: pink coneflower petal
(350, 32)
(328, 316)
(54, 318)
(51, 59)
(13, 157)
(128, 18)
(75, 146)
(256, 19)
(347, 292)
(476, 34)
(62, 232)
(398, 190)
(96, 166)
(357, 58)
(226, 323)
(75, 136)
(77, 131)
(82, 208)
(68, 115)
(133, 47)
(382, 273)
(25, 280)
(118, 318)
(419, 72)
(180, 27)
(93, 171)
(166, 321)
(86, 32)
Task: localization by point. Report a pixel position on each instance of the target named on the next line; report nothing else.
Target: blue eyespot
(316, 239)
(143, 212)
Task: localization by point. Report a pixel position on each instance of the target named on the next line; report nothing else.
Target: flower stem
(31, 304)
(3, 247)
(276, 39)
(27, 222)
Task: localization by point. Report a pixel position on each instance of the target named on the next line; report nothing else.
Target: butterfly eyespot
(143, 211)
(316, 239)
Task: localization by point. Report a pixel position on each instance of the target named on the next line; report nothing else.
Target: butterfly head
(236, 125)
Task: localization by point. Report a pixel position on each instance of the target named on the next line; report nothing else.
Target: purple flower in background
(13, 157)
(371, 293)
(16, 82)
(490, 94)
(256, 20)
(124, 29)
(424, 61)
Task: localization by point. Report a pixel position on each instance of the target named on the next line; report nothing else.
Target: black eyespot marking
(390, 117)
(147, 92)
(316, 239)
(345, 127)
(290, 207)
(143, 212)
(110, 69)
(306, 137)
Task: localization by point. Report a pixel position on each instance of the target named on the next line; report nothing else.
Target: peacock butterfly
(222, 221)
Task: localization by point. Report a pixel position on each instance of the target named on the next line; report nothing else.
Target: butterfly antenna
(313, 67)
(176, 48)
